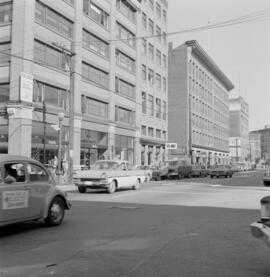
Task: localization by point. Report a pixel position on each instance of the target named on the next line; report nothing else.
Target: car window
(36, 173)
(14, 172)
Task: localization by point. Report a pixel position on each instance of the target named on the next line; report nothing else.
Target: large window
(5, 52)
(144, 20)
(151, 76)
(143, 102)
(158, 33)
(158, 81)
(123, 115)
(158, 10)
(158, 57)
(151, 26)
(124, 61)
(44, 93)
(125, 8)
(125, 35)
(164, 110)
(4, 93)
(143, 72)
(95, 75)
(158, 108)
(53, 20)
(5, 12)
(144, 46)
(49, 56)
(96, 13)
(95, 44)
(151, 51)
(124, 88)
(94, 107)
(151, 104)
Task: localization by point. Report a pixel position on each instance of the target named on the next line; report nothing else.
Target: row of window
(53, 20)
(151, 28)
(100, 109)
(5, 52)
(153, 109)
(126, 9)
(159, 61)
(157, 10)
(200, 91)
(150, 77)
(151, 132)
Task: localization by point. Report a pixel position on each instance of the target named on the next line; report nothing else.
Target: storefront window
(124, 148)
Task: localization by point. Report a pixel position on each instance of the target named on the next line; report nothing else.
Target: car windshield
(107, 165)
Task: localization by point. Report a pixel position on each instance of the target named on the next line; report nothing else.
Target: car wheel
(230, 175)
(137, 185)
(217, 176)
(56, 212)
(82, 189)
(112, 187)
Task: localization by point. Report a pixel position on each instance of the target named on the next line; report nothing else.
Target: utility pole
(70, 63)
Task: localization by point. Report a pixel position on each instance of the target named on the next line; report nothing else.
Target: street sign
(26, 87)
(170, 145)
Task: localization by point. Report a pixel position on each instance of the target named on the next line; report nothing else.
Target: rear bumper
(261, 231)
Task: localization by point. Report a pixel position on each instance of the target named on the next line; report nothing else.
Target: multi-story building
(89, 60)
(261, 141)
(255, 147)
(198, 98)
(239, 130)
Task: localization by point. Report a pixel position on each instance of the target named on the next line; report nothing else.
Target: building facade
(239, 130)
(87, 59)
(198, 106)
(260, 140)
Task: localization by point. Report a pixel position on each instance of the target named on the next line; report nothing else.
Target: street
(192, 227)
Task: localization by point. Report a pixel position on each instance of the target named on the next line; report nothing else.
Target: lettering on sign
(15, 199)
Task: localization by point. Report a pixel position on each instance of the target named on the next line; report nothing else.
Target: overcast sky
(241, 51)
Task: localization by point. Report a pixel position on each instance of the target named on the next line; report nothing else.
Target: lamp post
(61, 117)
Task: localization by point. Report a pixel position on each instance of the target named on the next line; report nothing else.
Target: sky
(241, 51)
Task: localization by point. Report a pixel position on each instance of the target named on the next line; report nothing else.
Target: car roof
(11, 158)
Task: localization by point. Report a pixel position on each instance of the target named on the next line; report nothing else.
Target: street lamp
(61, 117)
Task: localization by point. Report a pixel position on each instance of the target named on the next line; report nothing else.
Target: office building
(86, 59)
(239, 130)
(198, 99)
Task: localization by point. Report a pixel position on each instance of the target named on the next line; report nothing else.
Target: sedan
(266, 178)
(28, 192)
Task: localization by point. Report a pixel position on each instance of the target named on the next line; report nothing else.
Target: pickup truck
(110, 175)
(179, 169)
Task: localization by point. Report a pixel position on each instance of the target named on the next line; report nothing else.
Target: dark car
(179, 169)
(220, 171)
(196, 171)
(266, 178)
(28, 192)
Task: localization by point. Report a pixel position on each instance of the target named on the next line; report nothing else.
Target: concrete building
(239, 130)
(83, 58)
(255, 147)
(198, 105)
(261, 141)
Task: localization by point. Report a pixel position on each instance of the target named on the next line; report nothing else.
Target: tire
(112, 187)
(56, 212)
(137, 185)
(82, 189)
(211, 176)
(217, 176)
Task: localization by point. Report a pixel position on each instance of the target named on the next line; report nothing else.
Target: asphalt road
(175, 228)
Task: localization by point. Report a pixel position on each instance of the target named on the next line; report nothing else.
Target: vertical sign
(26, 87)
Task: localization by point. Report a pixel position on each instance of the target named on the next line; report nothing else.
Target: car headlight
(103, 176)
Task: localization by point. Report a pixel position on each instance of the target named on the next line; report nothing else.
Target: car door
(14, 193)
(39, 184)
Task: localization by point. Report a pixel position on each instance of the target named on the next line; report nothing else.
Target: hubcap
(56, 211)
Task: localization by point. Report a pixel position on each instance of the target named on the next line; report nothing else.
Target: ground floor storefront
(208, 157)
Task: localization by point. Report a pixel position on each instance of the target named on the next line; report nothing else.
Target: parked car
(266, 178)
(219, 171)
(261, 228)
(29, 192)
(179, 169)
(197, 171)
(147, 169)
(110, 175)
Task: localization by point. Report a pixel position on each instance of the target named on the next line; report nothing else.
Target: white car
(110, 175)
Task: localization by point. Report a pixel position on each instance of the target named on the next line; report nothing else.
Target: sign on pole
(170, 145)
(26, 87)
